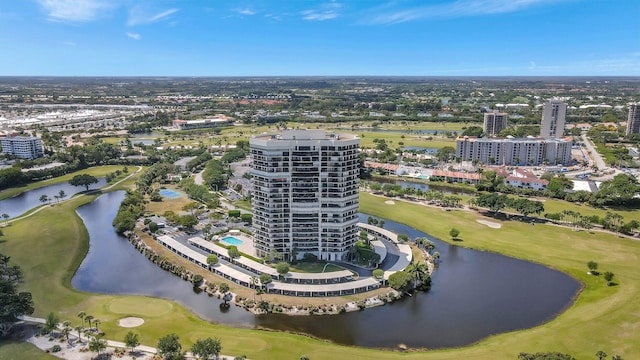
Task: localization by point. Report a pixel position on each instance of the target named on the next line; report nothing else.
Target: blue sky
(309, 37)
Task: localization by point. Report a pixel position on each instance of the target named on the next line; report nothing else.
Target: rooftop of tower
(305, 135)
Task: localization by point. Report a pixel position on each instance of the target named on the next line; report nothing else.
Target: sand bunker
(390, 202)
(130, 322)
(490, 224)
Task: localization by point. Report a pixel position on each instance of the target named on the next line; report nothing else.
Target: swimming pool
(231, 240)
(170, 194)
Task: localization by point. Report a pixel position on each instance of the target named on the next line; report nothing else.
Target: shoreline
(279, 307)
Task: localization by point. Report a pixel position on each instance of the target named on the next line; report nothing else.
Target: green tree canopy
(282, 268)
(206, 349)
(473, 131)
(445, 153)
(131, 340)
(400, 281)
(12, 302)
(266, 279)
(212, 259)
(169, 347)
(233, 252)
(83, 180)
(618, 191)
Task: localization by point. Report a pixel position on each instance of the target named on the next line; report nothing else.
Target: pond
(425, 150)
(28, 200)
(424, 186)
(474, 294)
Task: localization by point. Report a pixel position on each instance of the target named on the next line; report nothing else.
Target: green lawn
(555, 206)
(98, 171)
(14, 350)
(394, 138)
(313, 267)
(603, 318)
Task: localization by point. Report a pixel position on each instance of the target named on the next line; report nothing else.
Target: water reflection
(28, 200)
(474, 294)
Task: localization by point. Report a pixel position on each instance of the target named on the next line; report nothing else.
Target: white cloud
(134, 36)
(246, 11)
(140, 16)
(69, 43)
(73, 10)
(458, 8)
(326, 11)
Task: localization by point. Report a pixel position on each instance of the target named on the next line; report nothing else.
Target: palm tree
(418, 272)
(82, 315)
(62, 194)
(253, 282)
(97, 344)
(89, 318)
(44, 199)
(96, 322)
(66, 331)
(79, 330)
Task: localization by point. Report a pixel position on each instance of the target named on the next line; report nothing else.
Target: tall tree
(89, 318)
(12, 302)
(83, 180)
(131, 340)
(82, 315)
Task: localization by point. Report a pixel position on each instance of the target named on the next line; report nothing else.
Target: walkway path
(78, 355)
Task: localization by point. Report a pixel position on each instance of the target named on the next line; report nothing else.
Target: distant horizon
(284, 38)
(330, 76)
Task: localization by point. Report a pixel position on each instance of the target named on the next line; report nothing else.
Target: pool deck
(247, 243)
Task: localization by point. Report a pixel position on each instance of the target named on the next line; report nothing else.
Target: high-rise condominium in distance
(633, 122)
(305, 193)
(553, 119)
(494, 122)
(22, 147)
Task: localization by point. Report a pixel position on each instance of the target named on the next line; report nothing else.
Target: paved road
(392, 257)
(197, 179)
(599, 162)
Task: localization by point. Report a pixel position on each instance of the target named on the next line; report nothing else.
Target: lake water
(424, 186)
(425, 150)
(474, 294)
(26, 201)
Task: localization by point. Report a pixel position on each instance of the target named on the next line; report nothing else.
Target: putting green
(133, 306)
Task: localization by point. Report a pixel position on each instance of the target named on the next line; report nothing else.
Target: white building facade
(494, 123)
(305, 193)
(553, 117)
(514, 151)
(23, 147)
(633, 122)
